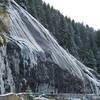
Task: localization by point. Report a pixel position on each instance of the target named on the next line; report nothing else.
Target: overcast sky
(86, 11)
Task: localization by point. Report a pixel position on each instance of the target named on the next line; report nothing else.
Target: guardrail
(55, 96)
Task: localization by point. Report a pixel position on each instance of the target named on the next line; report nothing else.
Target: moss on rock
(4, 19)
(3, 40)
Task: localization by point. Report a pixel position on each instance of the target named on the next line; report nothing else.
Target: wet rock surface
(32, 58)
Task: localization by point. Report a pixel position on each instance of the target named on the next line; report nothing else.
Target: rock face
(33, 58)
(81, 40)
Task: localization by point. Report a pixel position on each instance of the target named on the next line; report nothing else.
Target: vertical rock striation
(33, 58)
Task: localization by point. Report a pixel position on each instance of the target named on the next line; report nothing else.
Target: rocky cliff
(81, 40)
(31, 57)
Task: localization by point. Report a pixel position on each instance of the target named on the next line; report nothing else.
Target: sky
(84, 11)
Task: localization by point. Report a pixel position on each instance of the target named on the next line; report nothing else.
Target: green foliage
(3, 27)
(28, 95)
(3, 40)
(98, 38)
(4, 20)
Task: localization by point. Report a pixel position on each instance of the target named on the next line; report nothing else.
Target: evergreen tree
(98, 38)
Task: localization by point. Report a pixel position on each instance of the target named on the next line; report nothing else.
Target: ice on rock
(34, 58)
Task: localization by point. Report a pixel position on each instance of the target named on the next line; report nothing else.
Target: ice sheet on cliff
(38, 49)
